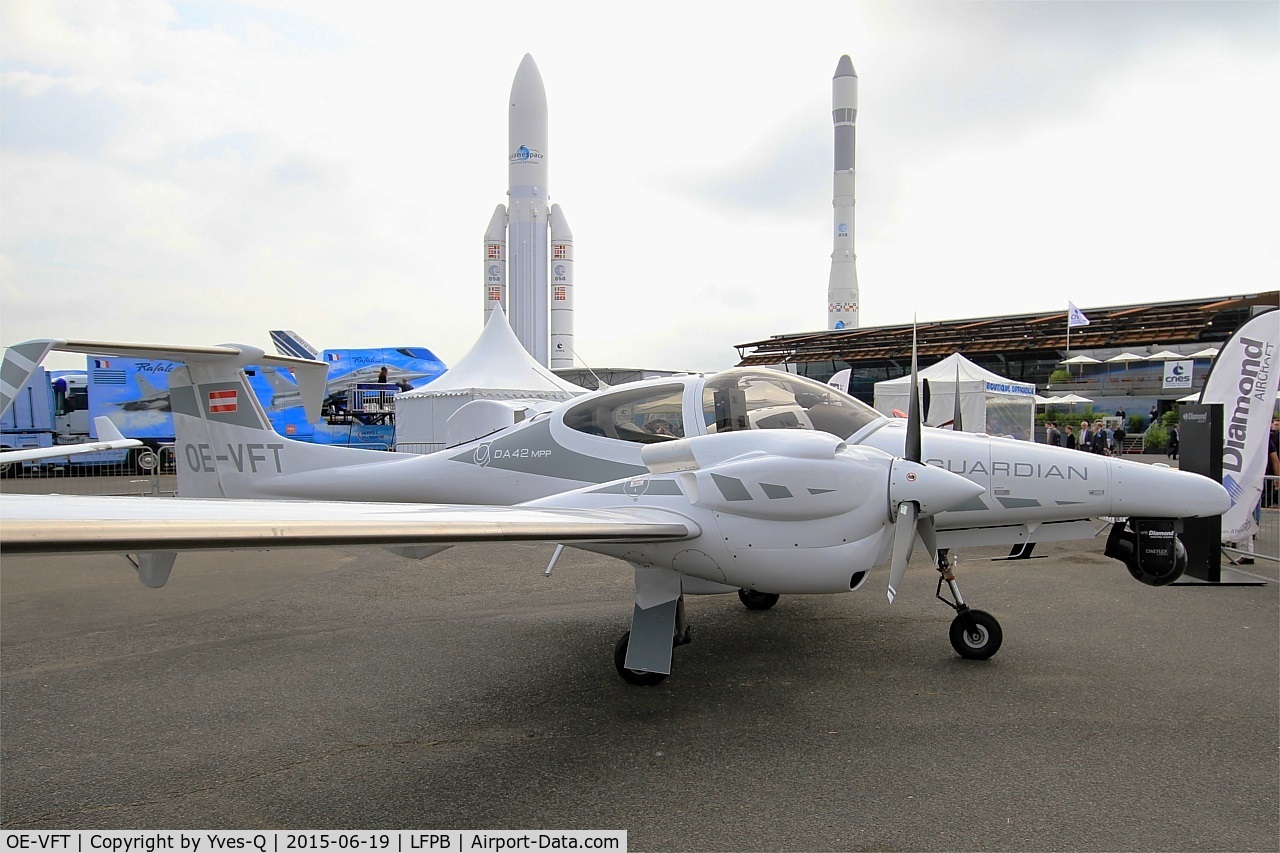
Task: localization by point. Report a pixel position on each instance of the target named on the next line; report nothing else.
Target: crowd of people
(1098, 438)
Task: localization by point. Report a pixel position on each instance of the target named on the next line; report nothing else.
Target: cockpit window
(646, 415)
(748, 398)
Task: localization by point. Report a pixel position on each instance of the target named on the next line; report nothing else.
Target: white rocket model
(539, 298)
(842, 289)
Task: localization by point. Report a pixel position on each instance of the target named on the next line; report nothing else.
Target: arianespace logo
(525, 154)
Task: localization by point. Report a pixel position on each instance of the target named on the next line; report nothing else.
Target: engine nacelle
(1149, 548)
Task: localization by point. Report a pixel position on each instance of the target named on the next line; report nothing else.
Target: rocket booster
(495, 264)
(561, 290)
(842, 289)
(518, 241)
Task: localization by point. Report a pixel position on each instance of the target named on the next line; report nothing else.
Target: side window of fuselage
(645, 415)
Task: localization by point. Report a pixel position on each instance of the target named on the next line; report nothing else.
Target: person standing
(1098, 439)
(1173, 442)
(1052, 436)
(1086, 437)
(1069, 441)
(1271, 487)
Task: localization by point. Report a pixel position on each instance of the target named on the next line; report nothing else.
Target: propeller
(925, 395)
(907, 521)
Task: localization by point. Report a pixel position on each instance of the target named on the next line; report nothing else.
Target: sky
(204, 172)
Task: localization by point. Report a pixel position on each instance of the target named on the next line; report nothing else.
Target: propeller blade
(956, 426)
(904, 538)
(924, 528)
(913, 452)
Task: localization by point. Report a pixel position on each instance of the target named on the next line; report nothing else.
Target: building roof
(1162, 323)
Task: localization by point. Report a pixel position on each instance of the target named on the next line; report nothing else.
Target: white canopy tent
(1124, 358)
(497, 370)
(989, 402)
(1081, 360)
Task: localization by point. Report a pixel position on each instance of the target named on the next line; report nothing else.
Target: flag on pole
(1075, 317)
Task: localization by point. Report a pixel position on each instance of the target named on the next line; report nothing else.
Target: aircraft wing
(110, 439)
(54, 524)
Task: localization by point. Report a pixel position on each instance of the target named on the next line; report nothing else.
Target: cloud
(203, 172)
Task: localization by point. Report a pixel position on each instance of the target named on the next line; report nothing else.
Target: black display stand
(1200, 452)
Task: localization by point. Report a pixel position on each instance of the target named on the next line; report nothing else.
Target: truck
(52, 409)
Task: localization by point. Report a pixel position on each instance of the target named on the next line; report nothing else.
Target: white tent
(1125, 358)
(497, 370)
(989, 402)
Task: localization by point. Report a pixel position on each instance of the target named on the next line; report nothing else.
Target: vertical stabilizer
(291, 343)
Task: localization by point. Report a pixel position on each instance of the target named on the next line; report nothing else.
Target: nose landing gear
(974, 634)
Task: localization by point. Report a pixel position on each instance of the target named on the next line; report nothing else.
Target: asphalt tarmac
(348, 688)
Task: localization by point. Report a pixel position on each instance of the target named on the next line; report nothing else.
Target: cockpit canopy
(736, 399)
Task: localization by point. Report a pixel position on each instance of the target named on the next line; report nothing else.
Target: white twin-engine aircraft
(748, 480)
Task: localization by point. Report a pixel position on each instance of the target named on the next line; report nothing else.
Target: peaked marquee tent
(496, 368)
(989, 402)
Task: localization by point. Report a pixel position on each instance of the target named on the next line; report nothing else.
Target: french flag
(99, 363)
(223, 402)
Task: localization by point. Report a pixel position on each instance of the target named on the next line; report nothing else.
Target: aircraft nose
(1154, 491)
(934, 489)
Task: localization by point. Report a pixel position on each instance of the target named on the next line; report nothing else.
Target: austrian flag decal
(223, 401)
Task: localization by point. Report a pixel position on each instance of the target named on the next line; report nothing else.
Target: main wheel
(757, 600)
(633, 676)
(979, 642)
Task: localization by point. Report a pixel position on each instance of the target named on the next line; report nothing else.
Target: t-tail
(225, 445)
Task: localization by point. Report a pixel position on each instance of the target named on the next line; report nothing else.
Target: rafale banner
(1243, 379)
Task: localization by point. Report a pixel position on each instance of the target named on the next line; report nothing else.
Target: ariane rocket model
(842, 290)
(539, 299)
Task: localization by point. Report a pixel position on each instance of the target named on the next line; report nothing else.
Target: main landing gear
(975, 634)
(682, 635)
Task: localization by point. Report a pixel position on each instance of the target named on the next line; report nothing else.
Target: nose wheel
(974, 634)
